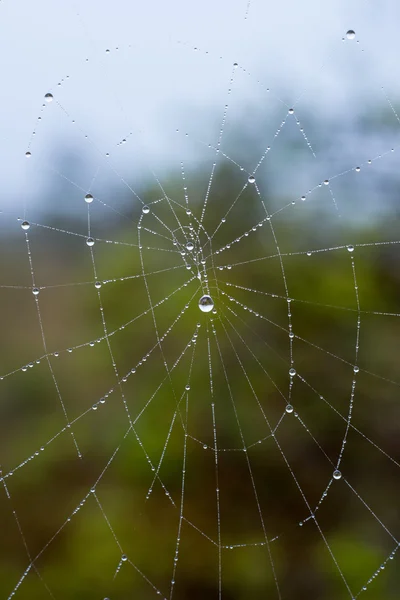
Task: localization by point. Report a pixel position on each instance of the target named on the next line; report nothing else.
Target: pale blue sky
(160, 83)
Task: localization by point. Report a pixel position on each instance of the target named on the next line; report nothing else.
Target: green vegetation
(81, 560)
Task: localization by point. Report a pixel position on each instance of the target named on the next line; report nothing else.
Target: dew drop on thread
(206, 304)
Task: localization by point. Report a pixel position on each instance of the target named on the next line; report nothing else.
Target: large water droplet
(351, 34)
(251, 179)
(337, 474)
(289, 408)
(206, 304)
(90, 241)
(350, 248)
(145, 209)
(25, 225)
(35, 291)
(89, 198)
(48, 97)
(189, 246)
(292, 372)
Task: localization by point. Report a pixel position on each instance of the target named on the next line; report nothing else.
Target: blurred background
(147, 448)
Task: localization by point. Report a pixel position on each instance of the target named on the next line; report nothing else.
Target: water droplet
(309, 253)
(187, 387)
(206, 304)
(48, 97)
(90, 241)
(303, 198)
(326, 182)
(291, 111)
(124, 557)
(291, 335)
(289, 408)
(292, 372)
(351, 34)
(89, 198)
(337, 474)
(25, 225)
(97, 285)
(358, 169)
(350, 248)
(189, 246)
(356, 369)
(235, 65)
(35, 291)
(28, 154)
(251, 179)
(145, 209)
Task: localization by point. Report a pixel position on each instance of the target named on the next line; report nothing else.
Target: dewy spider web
(187, 409)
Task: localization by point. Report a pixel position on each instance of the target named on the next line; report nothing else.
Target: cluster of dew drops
(350, 35)
(206, 303)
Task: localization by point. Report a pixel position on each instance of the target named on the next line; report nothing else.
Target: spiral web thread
(205, 267)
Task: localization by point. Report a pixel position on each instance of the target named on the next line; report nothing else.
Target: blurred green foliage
(78, 553)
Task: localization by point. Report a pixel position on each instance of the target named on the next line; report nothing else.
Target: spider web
(199, 369)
